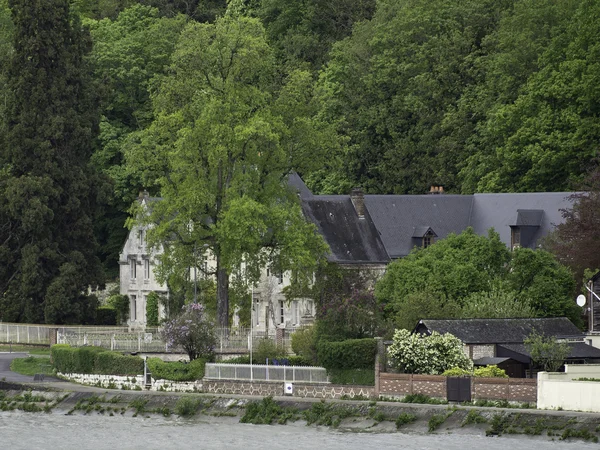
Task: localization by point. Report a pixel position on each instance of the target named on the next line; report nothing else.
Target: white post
(251, 326)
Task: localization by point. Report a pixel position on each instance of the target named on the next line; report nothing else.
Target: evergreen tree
(48, 192)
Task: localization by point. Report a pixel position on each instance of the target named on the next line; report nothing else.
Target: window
(428, 239)
(279, 277)
(132, 268)
(140, 237)
(257, 312)
(133, 306)
(146, 269)
(515, 237)
(281, 311)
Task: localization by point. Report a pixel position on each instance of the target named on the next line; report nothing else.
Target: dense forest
(104, 98)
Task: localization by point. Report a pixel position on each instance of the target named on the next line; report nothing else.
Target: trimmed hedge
(349, 354)
(360, 377)
(106, 315)
(66, 359)
(176, 371)
(62, 357)
(110, 363)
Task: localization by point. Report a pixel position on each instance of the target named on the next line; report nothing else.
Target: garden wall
(132, 382)
(302, 390)
(510, 389)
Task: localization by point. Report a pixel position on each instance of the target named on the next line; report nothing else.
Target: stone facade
(482, 351)
(510, 389)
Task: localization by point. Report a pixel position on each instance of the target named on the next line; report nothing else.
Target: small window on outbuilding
(515, 237)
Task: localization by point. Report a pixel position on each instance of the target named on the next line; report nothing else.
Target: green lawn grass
(31, 365)
(31, 349)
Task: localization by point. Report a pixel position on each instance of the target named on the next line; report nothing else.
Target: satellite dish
(581, 300)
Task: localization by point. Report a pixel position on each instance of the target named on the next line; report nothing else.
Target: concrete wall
(559, 390)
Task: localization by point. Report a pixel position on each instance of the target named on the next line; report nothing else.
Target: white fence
(261, 372)
(229, 340)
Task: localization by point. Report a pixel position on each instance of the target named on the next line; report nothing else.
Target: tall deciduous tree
(48, 192)
(219, 152)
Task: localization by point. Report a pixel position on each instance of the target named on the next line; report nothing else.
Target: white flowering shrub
(434, 354)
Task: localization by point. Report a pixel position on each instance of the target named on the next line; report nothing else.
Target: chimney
(435, 190)
(143, 195)
(358, 200)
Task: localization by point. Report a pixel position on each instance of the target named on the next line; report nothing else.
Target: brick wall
(262, 388)
(401, 384)
(511, 389)
(332, 391)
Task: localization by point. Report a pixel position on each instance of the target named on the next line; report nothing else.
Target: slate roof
(529, 217)
(351, 240)
(397, 216)
(579, 350)
(499, 331)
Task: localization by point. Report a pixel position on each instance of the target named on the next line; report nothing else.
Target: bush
(237, 360)
(299, 361)
(267, 348)
(358, 377)
(491, 371)
(84, 358)
(62, 357)
(152, 309)
(119, 303)
(193, 330)
(349, 354)
(187, 406)
(304, 343)
(176, 371)
(111, 363)
(457, 372)
(106, 315)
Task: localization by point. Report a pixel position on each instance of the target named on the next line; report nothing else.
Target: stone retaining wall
(132, 382)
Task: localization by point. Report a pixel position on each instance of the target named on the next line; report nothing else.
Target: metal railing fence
(261, 372)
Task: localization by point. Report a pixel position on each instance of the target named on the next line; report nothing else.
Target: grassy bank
(31, 349)
(32, 365)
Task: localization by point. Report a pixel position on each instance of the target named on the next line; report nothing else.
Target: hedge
(176, 371)
(349, 354)
(106, 315)
(360, 377)
(110, 363)
(66, 359)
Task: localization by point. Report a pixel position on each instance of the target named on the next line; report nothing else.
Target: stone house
(367, 232)
(501, 341)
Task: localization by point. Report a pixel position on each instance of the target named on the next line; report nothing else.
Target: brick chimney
(358, 200)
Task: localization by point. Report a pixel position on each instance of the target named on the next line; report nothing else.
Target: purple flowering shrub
(193, 330)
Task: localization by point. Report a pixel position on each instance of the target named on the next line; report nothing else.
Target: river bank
(341, 415)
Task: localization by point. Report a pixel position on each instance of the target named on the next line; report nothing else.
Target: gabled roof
(352, 240)
(420, 232)
(499, 331)
(529, 217)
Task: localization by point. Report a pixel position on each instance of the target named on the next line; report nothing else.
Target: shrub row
(106, 315)
(349, 354)
(67, 359)
(176, 371)
(359, 377)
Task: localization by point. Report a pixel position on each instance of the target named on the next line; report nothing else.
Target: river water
(19, 430)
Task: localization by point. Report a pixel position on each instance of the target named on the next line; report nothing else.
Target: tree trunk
(222, 296)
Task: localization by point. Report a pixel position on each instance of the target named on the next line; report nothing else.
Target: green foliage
(547, 352)
(405, 419)
(490, 371)
(121, 304)
(349, 354)
(210, 140)
(470, 276)
(436, 421)
(187, 406)
(152, 300)
(84, 359)
(433, 354)
(327, 414)
(304, 343)
(473, 417)
(359, 377)
(267, 348)
(106, 315)
(422, 398)
(176, 371)
(49, 192)
(266, 412)
(63, 358)
(31, 366)
(110, 363)
(457, 372)
(299, 361)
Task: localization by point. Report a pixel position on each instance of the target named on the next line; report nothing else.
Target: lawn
(31, 349)
(31, 365)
